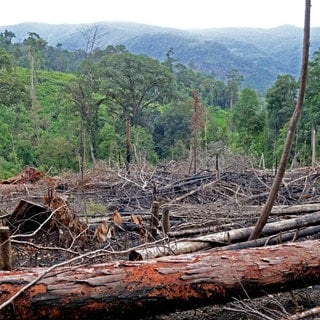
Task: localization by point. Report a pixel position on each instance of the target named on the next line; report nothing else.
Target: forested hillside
(68, 110)
(259, 54)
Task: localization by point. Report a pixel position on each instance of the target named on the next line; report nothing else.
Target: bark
(195, 123)
(93, 158)
(305, 314)
(200, 188)
(284, 210)
(154, 217)
(5, 249)
(184, 184)
(166, 221)
(131, 290)
(128, 144)
(277, 239)
(313, 146)
(222, 238)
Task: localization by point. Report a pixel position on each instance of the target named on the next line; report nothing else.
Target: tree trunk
(221, 238)
(313, 145)
(130, 290)
(276, 239)
(93, 158)
(5, 249)
(128, 144)
(291, 130)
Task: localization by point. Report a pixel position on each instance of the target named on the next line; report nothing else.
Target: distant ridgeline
(258, 54)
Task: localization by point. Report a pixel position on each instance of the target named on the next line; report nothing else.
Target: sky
(181, 14)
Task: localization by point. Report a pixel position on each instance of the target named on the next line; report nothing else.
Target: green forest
(69, 110)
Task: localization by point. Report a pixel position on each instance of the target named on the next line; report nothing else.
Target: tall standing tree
(131, 83)
(172, 130)
(311, 116)
(249, 122)
(5, 61)
(83, 93)
(169, 62)
(291, 130)
(280, 100)
(234, 80)
(87, 105)
(196, 124)
(34, 45)
(93, 36)
(6, 39)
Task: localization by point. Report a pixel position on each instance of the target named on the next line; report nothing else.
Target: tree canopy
(121, 107)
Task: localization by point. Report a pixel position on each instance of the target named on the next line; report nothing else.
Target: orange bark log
(133, 289)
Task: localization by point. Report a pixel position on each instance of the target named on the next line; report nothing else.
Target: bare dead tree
(292, 128)
(93, 36)
(196, 124)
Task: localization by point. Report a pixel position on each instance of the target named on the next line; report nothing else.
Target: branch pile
(202, 212)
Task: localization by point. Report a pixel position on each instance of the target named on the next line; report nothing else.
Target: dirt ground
(200, 203)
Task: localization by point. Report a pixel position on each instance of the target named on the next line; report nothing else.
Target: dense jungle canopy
(66, 110)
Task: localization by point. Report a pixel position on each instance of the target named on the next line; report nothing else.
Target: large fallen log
(221, 238)
(133, 289)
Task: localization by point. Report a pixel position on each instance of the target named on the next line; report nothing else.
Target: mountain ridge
(258, 54)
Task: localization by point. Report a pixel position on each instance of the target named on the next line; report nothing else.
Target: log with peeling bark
(221, 238)
(135, 289)
(275, 239)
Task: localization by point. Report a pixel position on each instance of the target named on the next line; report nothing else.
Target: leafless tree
(93, 36)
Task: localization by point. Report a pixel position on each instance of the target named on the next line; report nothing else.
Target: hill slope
(258, 54)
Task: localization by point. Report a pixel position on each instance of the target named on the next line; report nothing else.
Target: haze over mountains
(258, 54)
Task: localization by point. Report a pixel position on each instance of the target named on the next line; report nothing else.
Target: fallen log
(283, 210)
(196, 179)
(276, 239)
(27, 175)
(221, 238)
(135, 289)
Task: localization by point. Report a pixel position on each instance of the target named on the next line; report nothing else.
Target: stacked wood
(125, 289)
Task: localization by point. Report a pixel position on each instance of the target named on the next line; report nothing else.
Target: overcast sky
(167, 13)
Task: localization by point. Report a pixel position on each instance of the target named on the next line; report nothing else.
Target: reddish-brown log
(133, 289)
(27, 175)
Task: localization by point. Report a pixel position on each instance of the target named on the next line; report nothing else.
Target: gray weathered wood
(221, 238)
